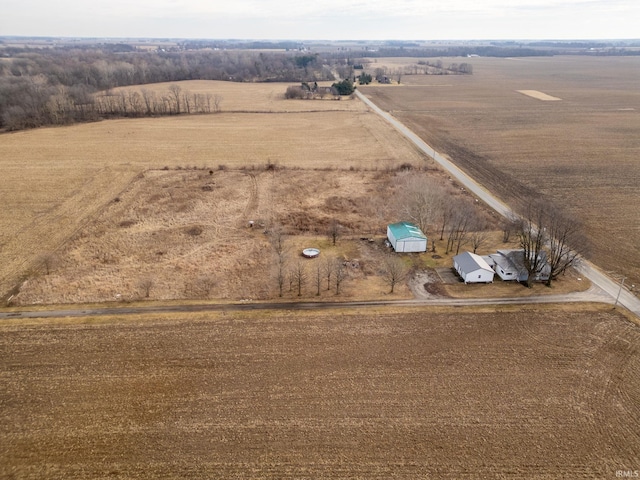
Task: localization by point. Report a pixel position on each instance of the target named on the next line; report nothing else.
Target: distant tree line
(453, 51)
(59, 86)
(502, 50)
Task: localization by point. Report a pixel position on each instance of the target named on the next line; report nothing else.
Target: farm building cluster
(405, 237)
(507, 264)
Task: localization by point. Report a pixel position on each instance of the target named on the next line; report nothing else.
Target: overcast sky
(324, 19)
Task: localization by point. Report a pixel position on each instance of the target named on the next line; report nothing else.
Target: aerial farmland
(159, 320)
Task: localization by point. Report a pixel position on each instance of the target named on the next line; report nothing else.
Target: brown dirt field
(581, 152)
(515, 393)
(56, 179)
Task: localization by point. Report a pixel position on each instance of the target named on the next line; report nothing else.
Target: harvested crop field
(581, 152)
(380, 394)
(251, 97)
(55, 180)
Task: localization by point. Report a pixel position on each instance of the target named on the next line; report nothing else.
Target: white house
(473, 268)
(406, 237)
(509, 265)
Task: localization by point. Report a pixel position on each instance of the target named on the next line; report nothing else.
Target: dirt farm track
(524, 393)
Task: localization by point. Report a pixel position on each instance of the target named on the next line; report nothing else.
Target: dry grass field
(55, 180)
(252, 97)
(580, 151)
(526, 393)
(184, 234)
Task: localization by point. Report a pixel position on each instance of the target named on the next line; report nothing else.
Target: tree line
(59, 86)
(67, 105)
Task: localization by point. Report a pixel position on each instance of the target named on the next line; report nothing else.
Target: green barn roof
(402, 230)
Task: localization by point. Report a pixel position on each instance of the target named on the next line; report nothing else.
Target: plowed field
(397, 394)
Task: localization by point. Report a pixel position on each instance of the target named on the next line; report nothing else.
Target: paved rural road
(590, 271)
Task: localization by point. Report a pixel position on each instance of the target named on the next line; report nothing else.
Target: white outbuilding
(406, 237)
(473, 268)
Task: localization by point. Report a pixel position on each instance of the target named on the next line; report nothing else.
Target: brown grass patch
(193, 243)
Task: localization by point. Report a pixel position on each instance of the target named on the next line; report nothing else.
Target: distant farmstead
(406, 237)
(472, 268)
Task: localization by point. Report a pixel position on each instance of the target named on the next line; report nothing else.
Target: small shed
(406, 237)
(473, 268)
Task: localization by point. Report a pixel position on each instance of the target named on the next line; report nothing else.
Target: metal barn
(406, 237)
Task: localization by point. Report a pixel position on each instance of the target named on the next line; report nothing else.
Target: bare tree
(136, 104)
(446, 213)
(299, 274)
(277, 240)
(145, 284)
(422, 199)
(566, 237)
(459, 226)
(175, 95)
(532, 235)
(198, 103)
(340, 274)
(479, 236)
(509, 225)
(394, 271)
(48, 261)
(280, 272)
(149, 99)
(217, 103)
(318, 277)
(328, 267)
(333, 231)
(186, 101)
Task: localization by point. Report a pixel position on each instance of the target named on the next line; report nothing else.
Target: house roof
(470, 262)
(402, 230)
(509, 260)
(513, 261)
